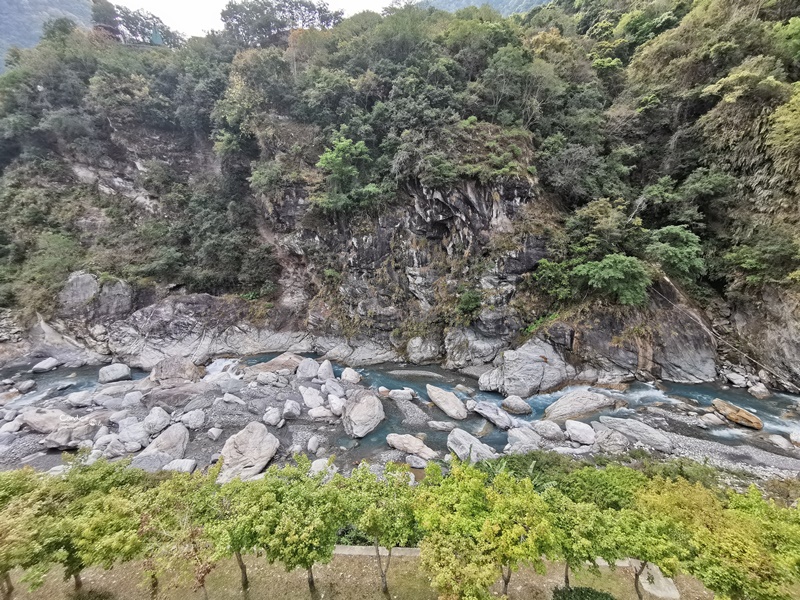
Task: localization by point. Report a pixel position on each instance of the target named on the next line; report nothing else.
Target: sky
(194, 17)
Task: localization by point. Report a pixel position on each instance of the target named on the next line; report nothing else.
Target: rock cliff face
(377, 288)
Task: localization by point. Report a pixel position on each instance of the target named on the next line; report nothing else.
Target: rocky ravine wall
(98, 322)
(397, 269)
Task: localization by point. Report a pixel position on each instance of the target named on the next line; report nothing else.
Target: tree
(583, 533)
(234, 528)
(451, 512)
(262, 23)
(175, 516)
(678, 252)
(300, 517)
(623, 278)
(383, 510)
(344, 163)
(18, 541)
(518, 528)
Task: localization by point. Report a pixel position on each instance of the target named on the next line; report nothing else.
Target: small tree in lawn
(174, 522)
(301, 516)
(452, 511)
(517, 528)
(740, 546)
(383, 509)
(234, 530)
(583, 533)
(18, 542)
(653, 535)
(64, 503)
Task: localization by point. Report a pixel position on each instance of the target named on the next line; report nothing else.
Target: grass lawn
(345, 578)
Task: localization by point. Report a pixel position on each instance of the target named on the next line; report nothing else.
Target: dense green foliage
(475, 525)
(22, 21)
(665, 131)
(504, 7)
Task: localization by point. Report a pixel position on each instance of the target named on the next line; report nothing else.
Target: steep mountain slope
(608, 187)
(504, 7)
(21, 21)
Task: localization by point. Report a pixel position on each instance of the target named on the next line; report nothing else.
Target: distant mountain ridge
(21, 21)
(504, 7)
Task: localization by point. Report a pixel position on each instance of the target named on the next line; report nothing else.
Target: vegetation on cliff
(665, 131)
(474, 525)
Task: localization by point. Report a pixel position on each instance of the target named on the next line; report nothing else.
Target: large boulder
(115, 372)
(175, 370)
(363, 412)
(287, 360)
(523, 439)
(469, 448)
(172, 441)
(245, 454)
(494, 414)
(411, 445)
(580, 432)
(307, 369)
(577, 404)
(48, 364)
(325, 370)
(45, 420)
(639, 432)
(737, 414)
(516, 406)
(549, 430)
(447, 402)
(156, 421)
(350, 375)
(311, 397)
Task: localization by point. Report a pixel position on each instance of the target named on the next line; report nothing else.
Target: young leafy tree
(70, 509)
(623, 278)
(518, 528)
(383, 509)
(18, 542)
(174, 519)
(301, 516)
(234, 529)
(583, 533)
(452, 511)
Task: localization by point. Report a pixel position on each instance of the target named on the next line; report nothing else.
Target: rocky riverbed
(264, 410)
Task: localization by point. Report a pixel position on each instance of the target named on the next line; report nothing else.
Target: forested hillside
(21, 21)
(504, 7)
(574, 154)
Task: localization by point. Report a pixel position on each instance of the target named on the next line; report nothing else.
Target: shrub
(469, 302)
(623, 278)
(580, 593)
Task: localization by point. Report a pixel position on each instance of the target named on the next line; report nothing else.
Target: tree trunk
(506, 578)
(78, 581)
(311, 585)
(243, 569)
(153, 586)
(636, 578)
(7, 586)
(566, 576)
(381, 570)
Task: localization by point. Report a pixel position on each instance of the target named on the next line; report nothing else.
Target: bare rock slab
(577, 404)
(447, 402)
(245, 454)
